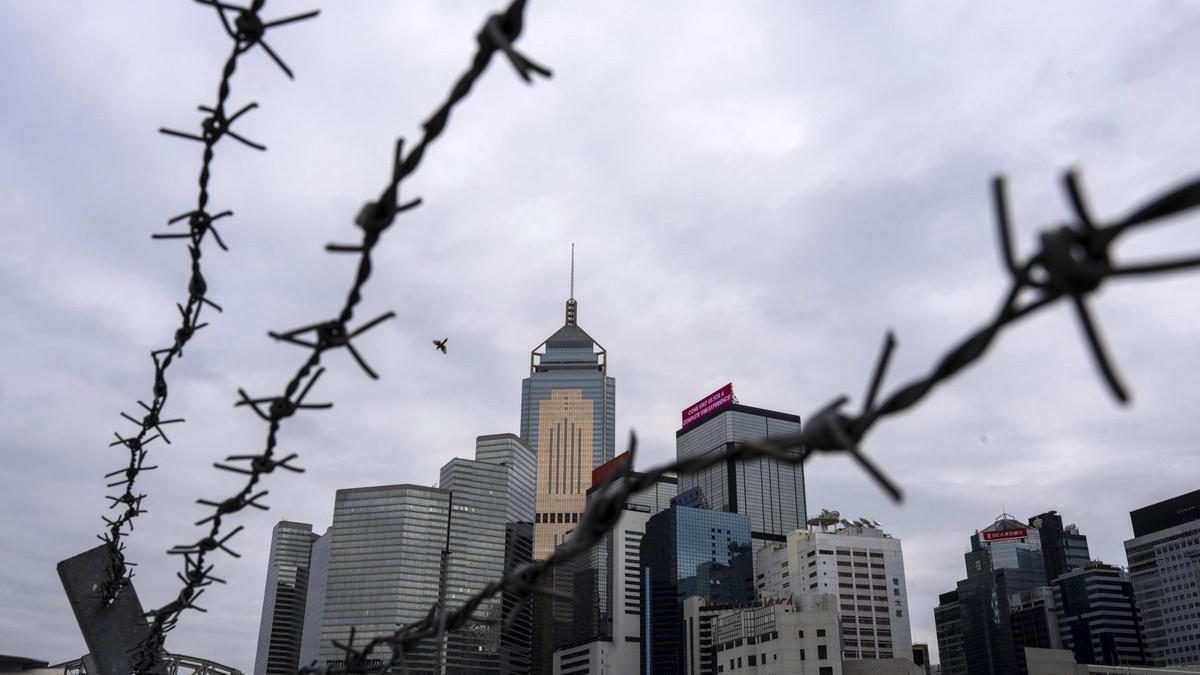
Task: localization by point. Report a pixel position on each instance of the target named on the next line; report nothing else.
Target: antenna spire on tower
(571, 304)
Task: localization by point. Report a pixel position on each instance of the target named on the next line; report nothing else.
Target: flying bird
(440, 345)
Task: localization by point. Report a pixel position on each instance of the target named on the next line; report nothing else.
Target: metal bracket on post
(113, 632)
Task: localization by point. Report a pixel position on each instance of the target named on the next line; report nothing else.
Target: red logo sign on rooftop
(1013, 533)
(707, 405)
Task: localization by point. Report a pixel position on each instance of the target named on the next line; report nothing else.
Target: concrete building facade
(779, 636)
(1164, 566)
(863, 567)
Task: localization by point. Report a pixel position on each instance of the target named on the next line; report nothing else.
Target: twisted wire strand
(499, 32)
(1073, 262)
(200, 223)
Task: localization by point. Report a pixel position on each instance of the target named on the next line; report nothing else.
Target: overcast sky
(757, 191)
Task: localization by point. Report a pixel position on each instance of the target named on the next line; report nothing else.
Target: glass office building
(606, 581)
(395, 551)
(385, 566)
(769, 491)
(282, 626)
(696, 552)
(1005, 560)
(488, 494)
(1063, 547)
(568, 418)
(314, 606)
(509, 451)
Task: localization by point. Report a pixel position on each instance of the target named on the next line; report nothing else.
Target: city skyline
(757, 194)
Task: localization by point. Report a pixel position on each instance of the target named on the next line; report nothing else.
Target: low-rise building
(779, 635)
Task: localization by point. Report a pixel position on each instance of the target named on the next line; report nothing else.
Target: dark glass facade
(769, 491)
(1168, 513)
(1097, 618)
(696, 552)
(1063, 548)
(516, 632)
(282, 626)
(947, 618)
(1033, 623)
(1005, 559)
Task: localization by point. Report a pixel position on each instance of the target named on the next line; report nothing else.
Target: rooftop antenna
(571, 304)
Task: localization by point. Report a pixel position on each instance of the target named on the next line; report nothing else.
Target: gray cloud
(757, 192)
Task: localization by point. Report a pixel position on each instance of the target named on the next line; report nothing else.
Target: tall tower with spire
(568, 418)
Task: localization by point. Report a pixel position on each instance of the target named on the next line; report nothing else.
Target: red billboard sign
(602, 472)
(1014, 533)
(702, 408)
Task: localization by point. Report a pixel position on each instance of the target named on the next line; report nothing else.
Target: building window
(820, 632)
(822, 653)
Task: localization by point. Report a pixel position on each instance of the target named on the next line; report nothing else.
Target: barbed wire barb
(1073, 262)
(214, 126)
(498, 33)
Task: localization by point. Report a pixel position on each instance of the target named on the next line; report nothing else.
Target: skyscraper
(696, 552)
(1097, 618)
(386, 563)
(314, 606)
(768, 490)
(858, 563)
(282, 626)
(1164, 564)
(1005, 559)
(947, 619)
(488, 494)
(1063, 547)
(568, 418)
(395, 551)
(606, 582)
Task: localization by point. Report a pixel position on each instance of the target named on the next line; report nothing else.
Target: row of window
(556, 517)
(754, 659)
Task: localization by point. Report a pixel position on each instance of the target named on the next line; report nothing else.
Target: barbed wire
(498, 34)
(247, 31)
(1073, 262)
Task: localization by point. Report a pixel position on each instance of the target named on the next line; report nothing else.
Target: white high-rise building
(859, 563)
(1164, 566)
